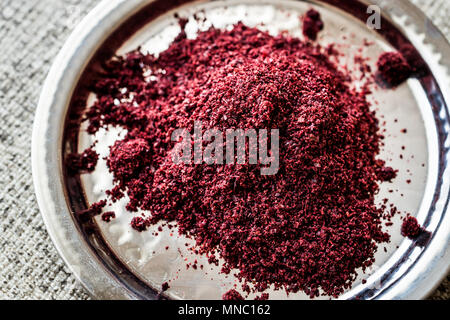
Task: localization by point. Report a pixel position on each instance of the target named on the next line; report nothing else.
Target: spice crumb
(393, 69)
(165, 286)
(232, 295)
(82, 162)
(107, 216)
(312, 24)
(412, 230)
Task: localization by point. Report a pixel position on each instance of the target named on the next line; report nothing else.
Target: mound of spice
(309, 227)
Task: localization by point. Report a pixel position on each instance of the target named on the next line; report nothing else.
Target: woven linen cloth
(31, 34)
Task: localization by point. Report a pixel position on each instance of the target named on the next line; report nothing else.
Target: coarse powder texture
(310, 226)
(393, 69)
(82, 162)
(232, 295)
(312, 24)
(410, 227)
(414, 231)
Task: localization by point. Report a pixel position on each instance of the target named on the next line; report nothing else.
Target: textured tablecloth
(31, 34)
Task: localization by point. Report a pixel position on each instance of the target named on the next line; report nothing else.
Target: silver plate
(410, 272)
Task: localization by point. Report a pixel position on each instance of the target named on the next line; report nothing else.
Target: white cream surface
(146, 255)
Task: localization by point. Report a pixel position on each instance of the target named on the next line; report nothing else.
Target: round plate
(407, 271)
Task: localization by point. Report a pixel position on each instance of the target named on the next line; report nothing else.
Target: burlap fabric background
(31, 34)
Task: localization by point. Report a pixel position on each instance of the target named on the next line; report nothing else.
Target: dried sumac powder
(311, 226)
(414, 231)
(312, 24)
(139, 224)
(264, 296)
(393, 69)
(386, 173)
(410, 227)
(232, 295)
(107, 216)
(82, 162)
(94, 210)
(165, 286)
(418, 66)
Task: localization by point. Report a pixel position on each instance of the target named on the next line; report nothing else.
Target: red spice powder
(139, 224)
(312, 24)
(107, 216)
(310, 226)
(165, 286)
(115, 194)
(386, 173)
(232, 295)
(411, 228)
(128, 157)
(264, 296)
(79, 162)
(94, 210)
(393, 69)
(418, 66)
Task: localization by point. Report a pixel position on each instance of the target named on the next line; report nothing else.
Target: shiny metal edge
(432, 264)
(423, 274)
(47, 143)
